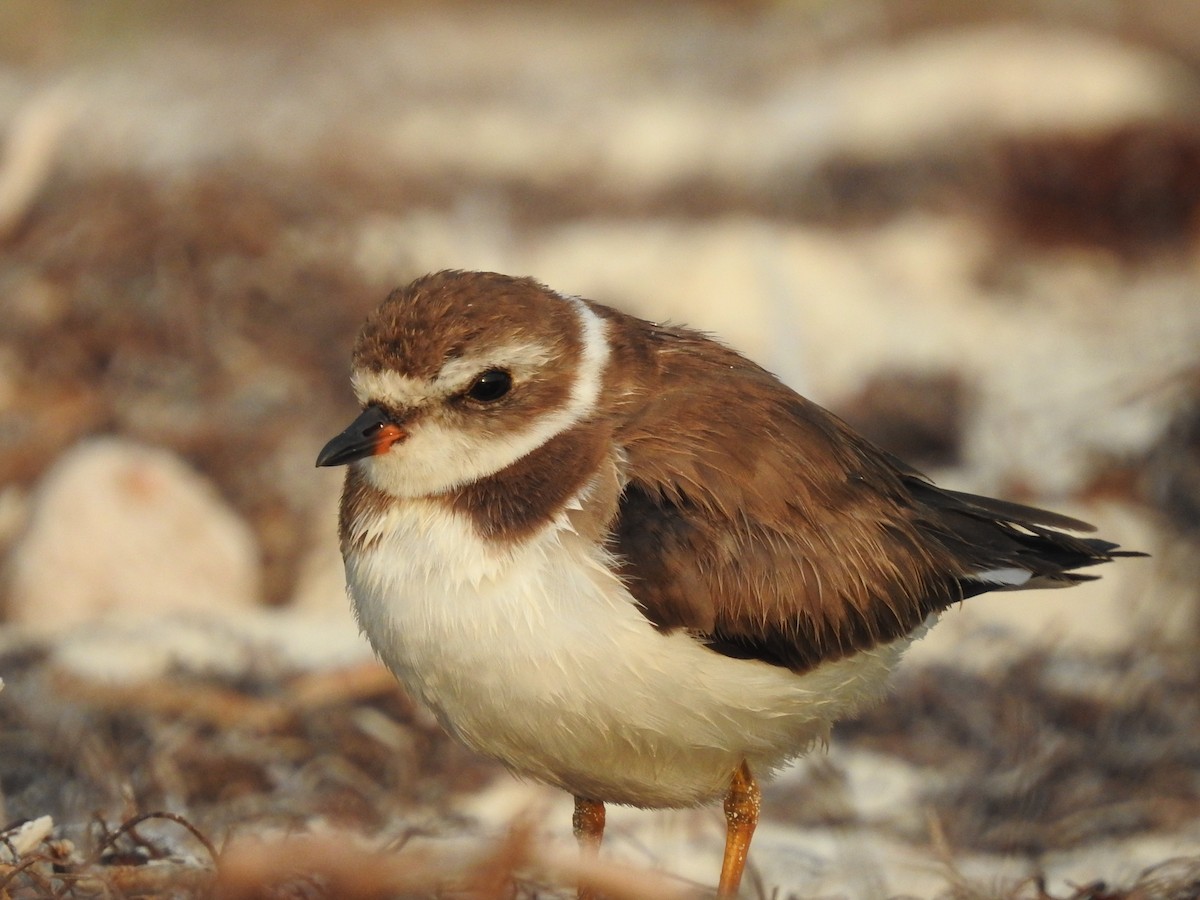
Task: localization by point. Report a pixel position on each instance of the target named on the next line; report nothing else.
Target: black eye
(491, 385)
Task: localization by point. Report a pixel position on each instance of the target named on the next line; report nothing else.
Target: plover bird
(623, 559)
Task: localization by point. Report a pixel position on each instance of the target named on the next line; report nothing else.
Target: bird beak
(371, 434)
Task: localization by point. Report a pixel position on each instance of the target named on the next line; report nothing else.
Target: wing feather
(769, 529)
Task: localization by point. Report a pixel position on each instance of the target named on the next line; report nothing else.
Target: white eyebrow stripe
(518, 358)
(371, 386)
(455, 374)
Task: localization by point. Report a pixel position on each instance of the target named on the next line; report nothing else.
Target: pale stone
(28, 837)
(116, 526)
(125, 649)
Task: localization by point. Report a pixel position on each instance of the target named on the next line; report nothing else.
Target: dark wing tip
(1019, 512)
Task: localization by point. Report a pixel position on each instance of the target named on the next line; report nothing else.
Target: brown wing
(765, 526)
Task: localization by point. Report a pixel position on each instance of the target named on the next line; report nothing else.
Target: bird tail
(1010, 546)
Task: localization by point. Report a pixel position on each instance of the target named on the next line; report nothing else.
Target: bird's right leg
(588, 824)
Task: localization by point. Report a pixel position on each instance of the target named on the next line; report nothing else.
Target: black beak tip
(340, 451)
(358, 441)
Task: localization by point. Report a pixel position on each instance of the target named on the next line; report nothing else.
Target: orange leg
(588, 824)
(741, 816)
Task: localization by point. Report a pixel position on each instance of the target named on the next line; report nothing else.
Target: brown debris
(1131, 190)
(1043, 756)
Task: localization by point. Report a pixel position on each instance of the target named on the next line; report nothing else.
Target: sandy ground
(973, 233)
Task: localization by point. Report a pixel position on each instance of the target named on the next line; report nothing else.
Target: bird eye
(489, 386)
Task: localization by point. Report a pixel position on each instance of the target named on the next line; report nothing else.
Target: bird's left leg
(742, 804)
(588, 824)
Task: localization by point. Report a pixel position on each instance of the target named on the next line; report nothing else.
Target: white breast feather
(537, 655)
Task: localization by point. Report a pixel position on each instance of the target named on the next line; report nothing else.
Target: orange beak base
(373, 433)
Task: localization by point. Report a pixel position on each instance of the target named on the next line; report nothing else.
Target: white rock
(117, 526)
(125, 649)
(28, 837)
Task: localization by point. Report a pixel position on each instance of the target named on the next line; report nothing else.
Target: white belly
(539, 657)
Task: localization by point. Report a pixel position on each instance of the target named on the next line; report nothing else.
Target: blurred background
(972, 230)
